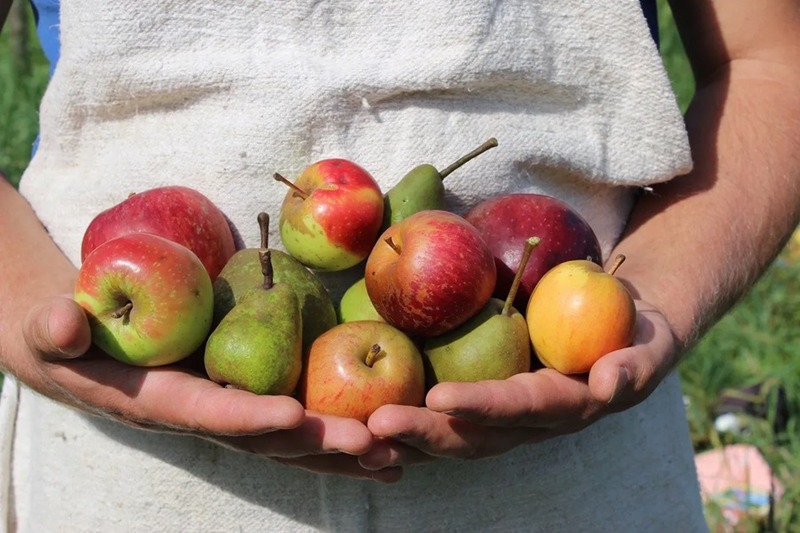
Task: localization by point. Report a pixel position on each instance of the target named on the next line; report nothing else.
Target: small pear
(494, 344)
(356, 305)
(242, 272)
(258, 345)
(422, 188)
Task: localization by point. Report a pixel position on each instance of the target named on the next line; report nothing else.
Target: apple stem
(373, 354)
(530, 244)
(617, 262)
(491, 143)
(122, 311)
(264, 255)
(392, 245)
(297, 190)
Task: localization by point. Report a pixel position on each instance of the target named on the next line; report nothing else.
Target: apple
(429, 273)
(180, 214)
(149, 300)
(331, 215)
(356, 305)
(578, 313)
(506, 221)
(356, 367)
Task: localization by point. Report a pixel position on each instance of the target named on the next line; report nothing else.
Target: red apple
(356, 367)
(149, 300)
(429, 273)
(331, 215)
(507, 221)
(180, 214)
(577, 314)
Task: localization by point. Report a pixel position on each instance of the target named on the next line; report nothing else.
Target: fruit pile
(443, 297)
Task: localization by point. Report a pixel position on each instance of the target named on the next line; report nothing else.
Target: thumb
(58, 329)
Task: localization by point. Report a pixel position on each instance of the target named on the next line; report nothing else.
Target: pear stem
(373, 354)
(617, 262)
(122, 311)
(530, 244)
(297, 190)
(491, 143)
(264, 255)
(392, 245)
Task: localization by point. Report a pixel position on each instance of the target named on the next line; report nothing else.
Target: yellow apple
(577, 313)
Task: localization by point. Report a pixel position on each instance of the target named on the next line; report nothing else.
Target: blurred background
(741, 383)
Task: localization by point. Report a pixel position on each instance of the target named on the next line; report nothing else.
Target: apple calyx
(617, 262)
(264, 255)
(392, 245)
(530, 244)
(491, 143)
(373, 354)
(123, 311)
(297, 190)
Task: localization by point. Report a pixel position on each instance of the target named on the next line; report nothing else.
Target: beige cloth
(218, 95)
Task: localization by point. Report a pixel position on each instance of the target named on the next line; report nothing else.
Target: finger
(626, 377)
(442, 435)
(57, 329)
(544, 398)
(168, 398)
(317, 435)
(344, 465)
(389, 452)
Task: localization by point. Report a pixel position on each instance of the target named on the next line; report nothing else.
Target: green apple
(356, 305)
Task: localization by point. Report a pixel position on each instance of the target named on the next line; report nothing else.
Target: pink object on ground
(738, 479)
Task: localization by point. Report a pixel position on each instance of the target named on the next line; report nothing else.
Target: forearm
(32, 269)
(696, 244)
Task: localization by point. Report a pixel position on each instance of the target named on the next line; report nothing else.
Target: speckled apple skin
(180, 214)
(444, 274)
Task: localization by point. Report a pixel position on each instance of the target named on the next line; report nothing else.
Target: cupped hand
(65, 366)
(474, 420)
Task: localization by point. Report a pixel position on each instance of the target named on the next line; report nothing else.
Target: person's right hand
(63, 364)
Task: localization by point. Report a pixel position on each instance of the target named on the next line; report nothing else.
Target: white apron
(218, 95)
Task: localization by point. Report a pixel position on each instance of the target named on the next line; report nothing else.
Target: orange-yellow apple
(578, 313)
(355, 367)
(430, 273)
(331, 215)
(177, 213)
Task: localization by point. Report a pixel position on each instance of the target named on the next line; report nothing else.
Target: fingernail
(621, 384)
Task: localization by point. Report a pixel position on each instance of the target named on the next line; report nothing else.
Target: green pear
(355, 304)
(422, 188)
(258, 345)
(242, 272)
(494, 344)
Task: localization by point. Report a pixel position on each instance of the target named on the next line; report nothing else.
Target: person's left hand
(474, 420)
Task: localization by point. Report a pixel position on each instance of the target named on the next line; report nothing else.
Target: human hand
(63, 365)
(474, 420)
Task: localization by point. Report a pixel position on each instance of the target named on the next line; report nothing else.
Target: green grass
(23, 76)
(756, 342)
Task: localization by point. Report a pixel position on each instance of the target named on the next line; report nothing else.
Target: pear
(422, 188)
(356, 305)
(242, 272)
(493, 344)
(258, 345)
